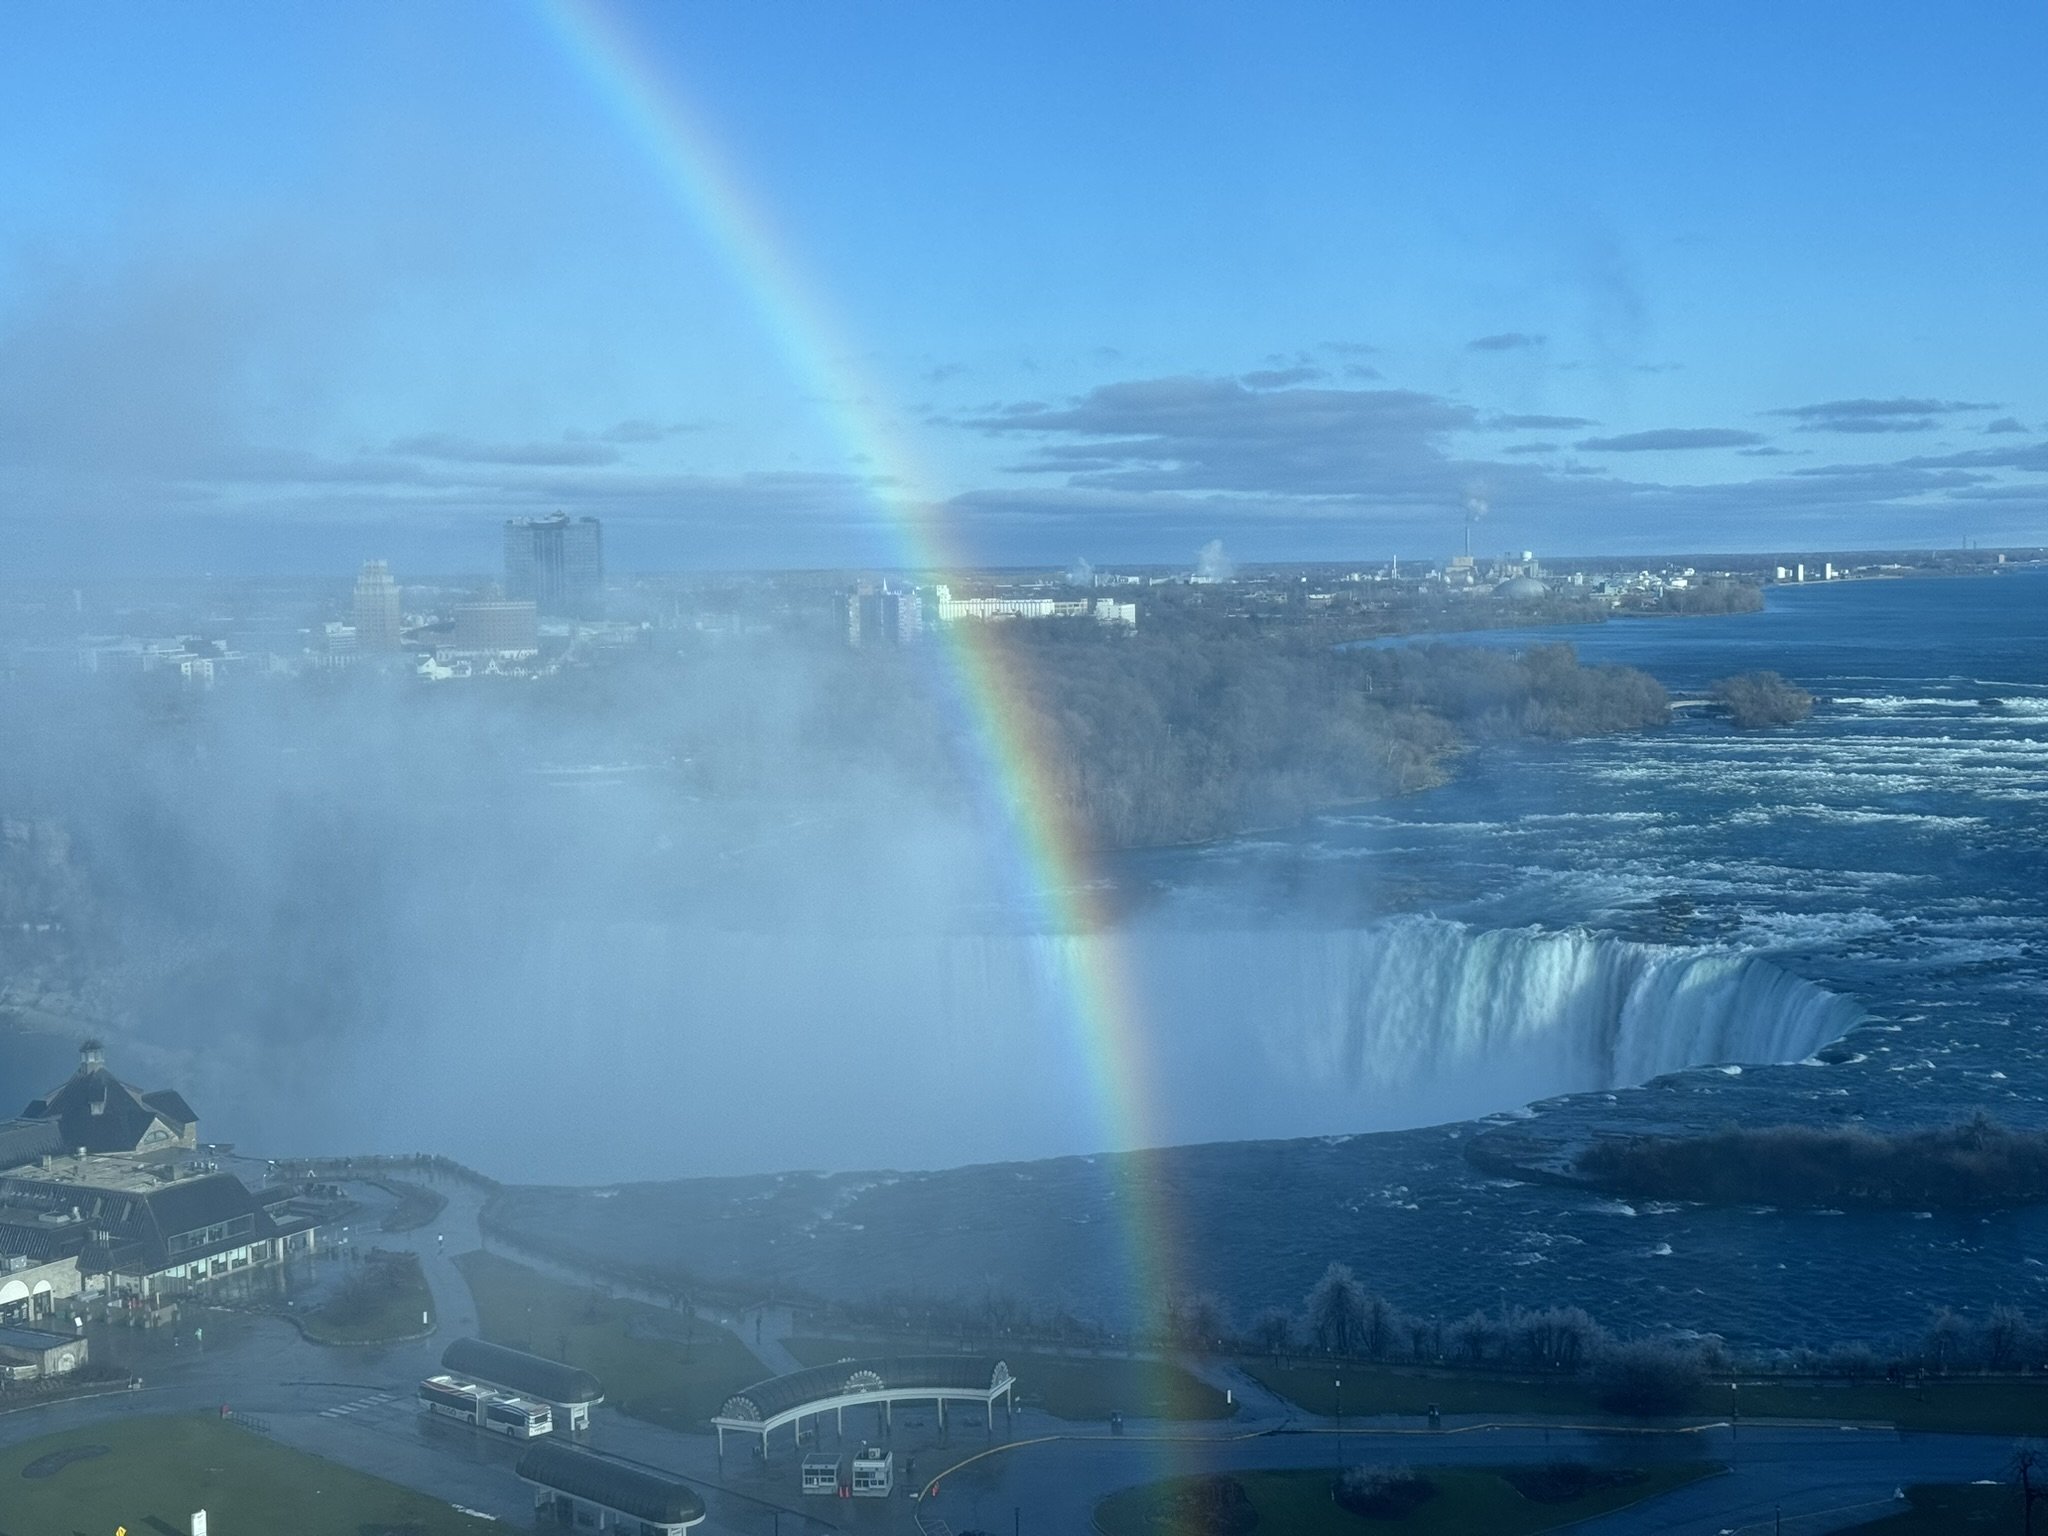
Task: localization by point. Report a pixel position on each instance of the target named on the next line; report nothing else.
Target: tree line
(1757, 700)
(1154, 742)
(1979, 1164)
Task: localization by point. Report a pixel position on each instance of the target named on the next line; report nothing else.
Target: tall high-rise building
(876, 615)
(557, 564)
(379, 617)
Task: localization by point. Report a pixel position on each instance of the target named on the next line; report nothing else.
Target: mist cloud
(306, 882)
(1663, 439)
(463, 450)
(1897, 414)
(1505, 341)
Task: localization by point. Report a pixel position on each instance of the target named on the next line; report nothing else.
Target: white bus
(453, 1398)
(517, 1417)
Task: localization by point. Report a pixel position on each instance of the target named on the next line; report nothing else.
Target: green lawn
(417, 1205)
(1939, 1509)
(156, 1471)
(666, 1367)
(1467, 1499)
(1069, 1386)
(1992, 1406)
(382, 1298)
(1376, 1389)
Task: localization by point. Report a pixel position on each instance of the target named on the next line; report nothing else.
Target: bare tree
(1273, 1331)
(1948, 1336)
(2028, 1465)
(1554, 1338)
(1472, 1338)
(1196, 1322)
(1647, 1377)
(2005, 1337)
(999, 1309)
(1379, 1324)
(1336, 1312)
(1419, 1330)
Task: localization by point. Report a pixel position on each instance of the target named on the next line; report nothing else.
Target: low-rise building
(33, 1289)
(102, 1196)
(96, 1112)
(1104, 610)
(151, 1232)
(494, 627)
(26, 1353)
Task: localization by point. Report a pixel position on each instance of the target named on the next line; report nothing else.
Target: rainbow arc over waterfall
(1018, 790)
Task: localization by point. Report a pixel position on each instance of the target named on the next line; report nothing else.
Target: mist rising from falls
(622, 1050)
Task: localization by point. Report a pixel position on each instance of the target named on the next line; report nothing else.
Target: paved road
(1793, 1470)
(1038, 1475)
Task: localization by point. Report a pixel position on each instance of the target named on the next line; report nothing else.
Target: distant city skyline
(753, 283)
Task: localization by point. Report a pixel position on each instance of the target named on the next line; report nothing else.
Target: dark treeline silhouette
(1340, 1317)
(1154, 740)
(1975, 1165)
(1192, 733)
(1339, 1320)
(1757, 700)
(1714, 597)
(1648, 1376)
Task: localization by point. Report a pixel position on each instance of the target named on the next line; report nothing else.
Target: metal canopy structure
(768, 1405)
(565, 1387)
(619, 1490)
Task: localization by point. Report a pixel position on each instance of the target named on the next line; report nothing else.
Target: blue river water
(1883, 861)
(1892, 849)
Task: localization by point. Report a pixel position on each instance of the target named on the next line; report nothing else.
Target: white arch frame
(1001, 1385)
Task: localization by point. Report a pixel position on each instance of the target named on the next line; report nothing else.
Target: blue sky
(283, 287)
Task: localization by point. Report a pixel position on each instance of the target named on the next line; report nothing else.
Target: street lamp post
(1340, 1422)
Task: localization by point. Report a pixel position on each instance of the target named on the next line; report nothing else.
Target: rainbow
(1052, 862)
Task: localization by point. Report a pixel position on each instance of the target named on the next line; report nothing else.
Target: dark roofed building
(590, 1492)
(93, 1184)
(27, 1141)
(571, 1392)
(95, 1112)
(42, 1236)
(168, 1237)
(200, 1218)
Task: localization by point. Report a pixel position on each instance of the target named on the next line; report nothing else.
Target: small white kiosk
(821, 1475)
(874, 1473)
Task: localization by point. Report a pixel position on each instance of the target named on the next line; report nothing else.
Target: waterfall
(1257, 1033)
(1416, 997)
(701, 1051)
